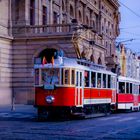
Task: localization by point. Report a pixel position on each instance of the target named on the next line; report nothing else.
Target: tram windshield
(50, 76)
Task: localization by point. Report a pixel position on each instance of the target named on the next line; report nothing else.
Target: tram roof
(127, 79)
(75, 63)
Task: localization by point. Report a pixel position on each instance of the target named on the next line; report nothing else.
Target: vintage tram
(79, 87)
(74, 87)
(128, 94)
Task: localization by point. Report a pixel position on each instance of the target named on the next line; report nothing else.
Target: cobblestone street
(22, 124)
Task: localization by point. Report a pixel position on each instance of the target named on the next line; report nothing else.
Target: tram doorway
(79, 91)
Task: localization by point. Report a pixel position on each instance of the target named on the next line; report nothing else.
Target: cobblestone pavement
(23, 125)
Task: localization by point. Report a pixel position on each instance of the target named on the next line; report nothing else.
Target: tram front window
(50, 76)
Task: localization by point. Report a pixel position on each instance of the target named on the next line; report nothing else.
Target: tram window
(93, 79)
(104, 80)
(86, 76)
(109, 81)
(139, 89)
(130, 87)
(36, 76)
(66, 76)
(127, 88)
(134, 89)
(72, 77)
(113, 82)
(99, 80)
(121, 87)
(80, 79)
(50, 76)
(77, 78)
(62, 71)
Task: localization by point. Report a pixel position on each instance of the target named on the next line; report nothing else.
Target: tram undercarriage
(88, 111)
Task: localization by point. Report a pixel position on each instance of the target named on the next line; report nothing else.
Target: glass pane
(99, 80)
(131, 88)
(93, 79)
(77, 78)
(127, 88)
(50, 76)
(104, 80)
(109, 81)
(80, 79)
(121, 87)
(72, 77)
(86, 77)
(66, 76)
(36, 76)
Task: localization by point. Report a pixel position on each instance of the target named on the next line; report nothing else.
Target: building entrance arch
(48, 54)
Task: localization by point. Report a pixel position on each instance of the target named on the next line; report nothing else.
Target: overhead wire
(136, 14)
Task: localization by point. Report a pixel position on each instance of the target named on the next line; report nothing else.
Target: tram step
(94, 115)
(85, 116)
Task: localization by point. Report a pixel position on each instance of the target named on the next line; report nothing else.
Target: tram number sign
(49, 87)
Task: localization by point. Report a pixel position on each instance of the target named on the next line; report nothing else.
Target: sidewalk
(20, 111)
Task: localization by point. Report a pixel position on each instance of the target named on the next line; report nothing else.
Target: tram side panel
(102, 92)
(124, 100)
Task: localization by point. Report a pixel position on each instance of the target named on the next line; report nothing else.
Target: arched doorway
(48, 54)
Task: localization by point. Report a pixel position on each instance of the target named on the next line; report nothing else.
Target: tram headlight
(50, 99)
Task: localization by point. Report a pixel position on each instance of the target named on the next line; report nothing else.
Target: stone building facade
(5, 53)
(81, 28)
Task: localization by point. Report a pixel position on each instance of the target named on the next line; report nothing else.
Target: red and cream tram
(70, 86)
(128, 94)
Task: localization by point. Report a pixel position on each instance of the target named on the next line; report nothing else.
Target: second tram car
(128, 94)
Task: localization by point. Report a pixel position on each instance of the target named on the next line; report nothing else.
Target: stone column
(84, 13)
(67, 11)
(76, 8)
(40, 12)
(36, 12)
(50, 11)
(60, 12)
(27, 12)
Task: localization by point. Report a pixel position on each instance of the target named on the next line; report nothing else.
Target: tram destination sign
(49, 86)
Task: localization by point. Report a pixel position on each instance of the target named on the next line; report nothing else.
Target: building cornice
(115, 3)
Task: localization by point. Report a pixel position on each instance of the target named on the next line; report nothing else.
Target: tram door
(135, 95)
(79, 89)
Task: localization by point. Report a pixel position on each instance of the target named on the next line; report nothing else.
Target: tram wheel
(43, 114)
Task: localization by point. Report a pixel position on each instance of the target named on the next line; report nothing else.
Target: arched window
(63, 6)
(92, 58)
(71, 11)
(80, 16)
(93, 24)
(99, 61)
(87, 20)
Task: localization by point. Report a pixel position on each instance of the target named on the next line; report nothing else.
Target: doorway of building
(48, 54)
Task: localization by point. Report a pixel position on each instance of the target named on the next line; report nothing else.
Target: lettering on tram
(81, 87)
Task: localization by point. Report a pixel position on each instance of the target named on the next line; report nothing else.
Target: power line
(136, 14)
(130, 27)
(134, 34)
